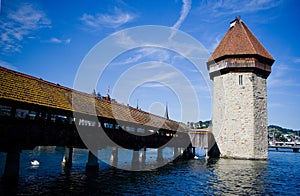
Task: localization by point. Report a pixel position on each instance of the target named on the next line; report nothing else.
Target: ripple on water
(277, 176)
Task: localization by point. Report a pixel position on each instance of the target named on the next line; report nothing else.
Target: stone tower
(239, 67)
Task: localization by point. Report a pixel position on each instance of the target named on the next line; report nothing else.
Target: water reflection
(277, 176)
(242, 177)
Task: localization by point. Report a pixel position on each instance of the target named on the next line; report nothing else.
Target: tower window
(240, 79)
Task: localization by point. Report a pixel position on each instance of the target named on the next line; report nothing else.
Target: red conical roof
(239, 40)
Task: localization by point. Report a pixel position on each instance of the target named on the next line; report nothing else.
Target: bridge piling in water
(68, 157)
(92, 164)
(160, 157)
(143, 156)
(176, 152)
(114, 156)
(135, 163)
(189, 152)
(12, 165)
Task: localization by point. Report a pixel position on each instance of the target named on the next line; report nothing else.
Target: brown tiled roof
(239, 40)
(27, 89)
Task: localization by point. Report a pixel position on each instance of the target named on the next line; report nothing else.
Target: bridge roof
(239, 40)
(19, 87)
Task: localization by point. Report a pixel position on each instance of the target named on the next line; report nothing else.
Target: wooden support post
(43, 116)
(181, 150)
(13, 112)
(114, 156)
(71, 120)
(68, 157)
(135, 164)
(92, 164)
(176, 152)
(160, 157)
(191, 151)
(188, 152)
(12, 165)
(206, 153)
(144, 156)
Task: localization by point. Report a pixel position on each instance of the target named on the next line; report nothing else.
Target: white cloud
(167, 77)
(59, 41)
(183, 46)
(186, 6)
(145, 54)
(246, 6)
(67, 41)
(99, 21)
(55, 40)
(155, 53)
(132, 59)
(214, 44)
(28, 16)
(126, 41)
(21, 23)
(153, 85)
(275, 105)
(297, 60)
(163, 77)
(278, 77)
(222, 8)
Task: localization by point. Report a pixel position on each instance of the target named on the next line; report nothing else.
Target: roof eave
(260, 58)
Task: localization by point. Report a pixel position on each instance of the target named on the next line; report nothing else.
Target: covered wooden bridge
(34, 112)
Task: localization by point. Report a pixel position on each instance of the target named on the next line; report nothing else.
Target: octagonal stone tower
(239, 67)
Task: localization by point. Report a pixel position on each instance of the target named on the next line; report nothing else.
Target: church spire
(167, 112)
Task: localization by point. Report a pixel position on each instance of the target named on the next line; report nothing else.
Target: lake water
(280, 175)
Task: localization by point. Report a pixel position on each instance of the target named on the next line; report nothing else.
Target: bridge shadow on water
(50, 177)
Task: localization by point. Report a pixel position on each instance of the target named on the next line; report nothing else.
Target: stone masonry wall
(240, 115)
(261, 118)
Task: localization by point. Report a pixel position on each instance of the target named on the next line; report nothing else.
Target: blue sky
(50, 40)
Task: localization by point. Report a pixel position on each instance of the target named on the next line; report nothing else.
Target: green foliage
(279, 133)
(279, 129)
(199, 125)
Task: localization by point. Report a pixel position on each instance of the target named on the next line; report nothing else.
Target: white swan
(35, 163)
